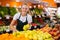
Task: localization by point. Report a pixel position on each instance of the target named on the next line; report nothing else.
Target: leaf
(12, 11)
(3, 11)
(38, 11)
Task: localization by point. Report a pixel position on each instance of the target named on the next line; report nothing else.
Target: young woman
(22, 18)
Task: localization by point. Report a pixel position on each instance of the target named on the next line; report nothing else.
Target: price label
(7, 17)
(35, 26)
(0, 17)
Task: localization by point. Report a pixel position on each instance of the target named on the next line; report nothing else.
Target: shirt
(47, 11)
(58, 12)
(23, 18)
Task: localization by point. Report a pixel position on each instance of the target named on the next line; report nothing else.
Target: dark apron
(21, 24)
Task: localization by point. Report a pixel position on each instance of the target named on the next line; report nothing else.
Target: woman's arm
(13, 23)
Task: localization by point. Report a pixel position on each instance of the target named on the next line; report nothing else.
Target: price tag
(35, 26)
(7, 30)
(0, 17)
(39, 16)
(35, 16)
(7, 17)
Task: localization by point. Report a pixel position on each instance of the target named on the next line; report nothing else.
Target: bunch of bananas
(26, 27)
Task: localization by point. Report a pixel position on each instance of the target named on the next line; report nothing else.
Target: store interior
(43, 26)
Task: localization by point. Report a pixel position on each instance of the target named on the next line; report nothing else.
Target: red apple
(34, 24)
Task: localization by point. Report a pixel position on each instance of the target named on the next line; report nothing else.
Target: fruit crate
(4, 29)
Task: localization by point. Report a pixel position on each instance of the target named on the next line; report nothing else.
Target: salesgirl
(22, 18)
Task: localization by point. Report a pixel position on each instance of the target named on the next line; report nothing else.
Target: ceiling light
(30, 6)
(19, 7)
(7, 5)
(0, 3)
(17, 0)
(14, 5)
(34, 6)
(38, 5)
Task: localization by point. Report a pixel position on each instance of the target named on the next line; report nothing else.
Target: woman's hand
(15, 30)
(12, 26)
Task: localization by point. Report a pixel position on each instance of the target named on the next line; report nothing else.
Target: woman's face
(24, 9)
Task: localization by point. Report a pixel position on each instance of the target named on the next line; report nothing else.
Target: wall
(4, 2)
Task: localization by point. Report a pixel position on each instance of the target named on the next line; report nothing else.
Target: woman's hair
(19, 9)
(24, 5)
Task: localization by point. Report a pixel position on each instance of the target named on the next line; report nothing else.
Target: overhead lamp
(0, 3)
(15, 6)
(34, 6)
(19, 7)
(38, 5)
(7, 5)
(57, 1)
(17, 0)
(30, 6)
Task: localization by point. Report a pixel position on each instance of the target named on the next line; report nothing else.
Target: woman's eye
(24, 8)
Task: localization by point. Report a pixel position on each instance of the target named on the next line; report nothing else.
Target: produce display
(43, 27)
(27, 35)
(26, 27)
(33, 26)
(7, 36)
(53, 31)
(1, 22)
(3, 28)
(46, 28)
(42, 33)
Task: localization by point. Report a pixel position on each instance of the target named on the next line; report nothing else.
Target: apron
(21, 24)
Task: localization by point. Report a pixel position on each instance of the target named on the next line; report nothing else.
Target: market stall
(45, 20)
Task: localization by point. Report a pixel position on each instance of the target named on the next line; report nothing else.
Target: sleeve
(16, 16)
(29, 19)
(48, 13)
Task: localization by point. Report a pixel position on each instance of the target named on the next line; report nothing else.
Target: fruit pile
(7, 36)
(3, 28)
(53, 31)
(26, 35)
(34, 35)
(46, 28)
(33, 26)
(26, 27)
